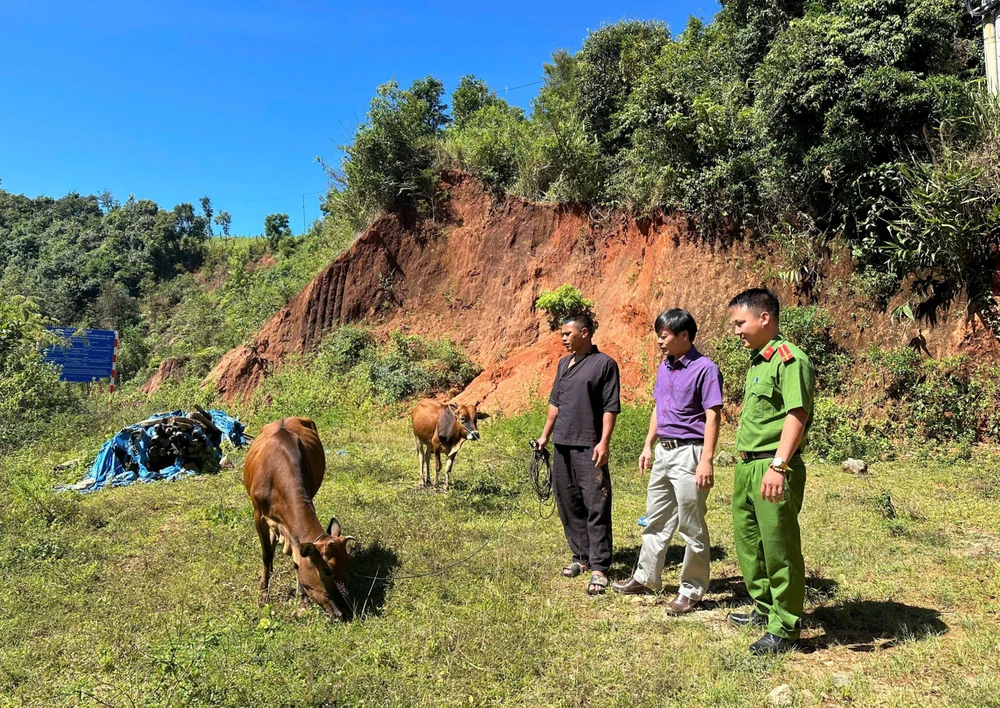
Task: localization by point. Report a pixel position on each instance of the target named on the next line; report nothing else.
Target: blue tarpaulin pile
(164, 446)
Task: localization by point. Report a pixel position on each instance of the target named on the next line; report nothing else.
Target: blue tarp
(124, 459)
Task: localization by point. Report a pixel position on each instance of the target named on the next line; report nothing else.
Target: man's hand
(542, 442)
(772, 488)
(600, 457)
(704, 474)
(646, 459)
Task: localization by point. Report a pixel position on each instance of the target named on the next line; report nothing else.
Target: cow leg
(420, 454)
(447, 469)
(428, 454)
(267, 555)
(437, 468)
(425, 465)
(452, 454)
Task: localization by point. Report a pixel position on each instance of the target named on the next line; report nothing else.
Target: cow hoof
(263, 599)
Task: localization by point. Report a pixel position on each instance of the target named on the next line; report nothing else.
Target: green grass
(146, 595)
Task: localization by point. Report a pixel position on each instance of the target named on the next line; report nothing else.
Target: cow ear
(480, 415)
(307, 549)
(447, 420)
(333, 528)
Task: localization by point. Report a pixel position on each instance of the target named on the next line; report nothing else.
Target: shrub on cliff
(563, 301)
(405, 366)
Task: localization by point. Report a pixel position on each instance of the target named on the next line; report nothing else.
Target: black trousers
(583, 497)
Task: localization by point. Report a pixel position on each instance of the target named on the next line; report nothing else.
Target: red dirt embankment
(476, 274)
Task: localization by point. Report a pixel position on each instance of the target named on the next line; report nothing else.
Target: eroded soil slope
(475, 274)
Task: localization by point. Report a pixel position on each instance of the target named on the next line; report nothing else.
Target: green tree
(471, 96)
(389, 164)
(276, 229)
(206, 210)
(612, 62)
(224, 221)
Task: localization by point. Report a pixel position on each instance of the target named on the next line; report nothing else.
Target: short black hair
(759, 300)
(581, 320)
(677, 321)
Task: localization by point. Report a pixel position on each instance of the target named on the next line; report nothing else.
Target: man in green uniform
(770, 476)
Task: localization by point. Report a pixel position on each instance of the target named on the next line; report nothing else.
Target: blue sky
(171, 101)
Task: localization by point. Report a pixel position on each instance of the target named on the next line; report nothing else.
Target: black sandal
(573, 569)
(597, 581)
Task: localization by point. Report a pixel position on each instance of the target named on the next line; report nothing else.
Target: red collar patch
(768, 353)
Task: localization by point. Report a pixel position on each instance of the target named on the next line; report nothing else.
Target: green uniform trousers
(769, 546)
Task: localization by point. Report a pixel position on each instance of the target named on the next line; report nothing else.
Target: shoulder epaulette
(768, 353)
(785, 353)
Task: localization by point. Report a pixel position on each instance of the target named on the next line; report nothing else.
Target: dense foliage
(86, 260)
(796, 120)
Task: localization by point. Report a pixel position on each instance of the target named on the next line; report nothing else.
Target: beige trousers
(674, 503)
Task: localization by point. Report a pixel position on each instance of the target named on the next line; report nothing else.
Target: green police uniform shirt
(780, 379)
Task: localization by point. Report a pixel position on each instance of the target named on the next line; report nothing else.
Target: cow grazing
(442, 428)
(282, 473)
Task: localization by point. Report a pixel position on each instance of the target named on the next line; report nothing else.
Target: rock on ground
(781, 696)
(853, 466)
(724, 459)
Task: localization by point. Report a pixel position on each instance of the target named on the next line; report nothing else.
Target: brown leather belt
(674, 443)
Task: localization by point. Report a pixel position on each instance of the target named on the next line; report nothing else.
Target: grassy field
(145, 596)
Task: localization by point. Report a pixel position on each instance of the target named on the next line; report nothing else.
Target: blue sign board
(83, 354)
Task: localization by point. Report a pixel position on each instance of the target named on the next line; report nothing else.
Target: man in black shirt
(582, 411)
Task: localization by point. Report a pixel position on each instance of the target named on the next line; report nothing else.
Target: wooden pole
(992, 51)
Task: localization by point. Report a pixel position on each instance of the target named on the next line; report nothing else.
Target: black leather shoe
(773, 644)
(747, 619)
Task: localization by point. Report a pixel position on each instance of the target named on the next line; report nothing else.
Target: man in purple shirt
(684, 428)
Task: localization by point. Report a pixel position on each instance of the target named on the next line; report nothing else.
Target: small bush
(133, 353)
(342, 350)
(405, 366)
(898, 369)
(30, 390)
(733, 360)
(488, 142)
(809, 329)
(877, 287)
(563, 301)
(949, 403)
(837, 432)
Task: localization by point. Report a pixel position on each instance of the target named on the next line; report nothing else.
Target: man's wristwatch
(779, 464)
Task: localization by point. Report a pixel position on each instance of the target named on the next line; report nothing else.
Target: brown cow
(442, 427)
(282, 473)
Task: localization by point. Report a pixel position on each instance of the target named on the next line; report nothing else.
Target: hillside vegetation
(795, 121)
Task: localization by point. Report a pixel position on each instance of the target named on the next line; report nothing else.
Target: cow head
(322, 571)
(467, 417)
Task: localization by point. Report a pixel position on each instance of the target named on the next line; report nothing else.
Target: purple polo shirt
(685, 388)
